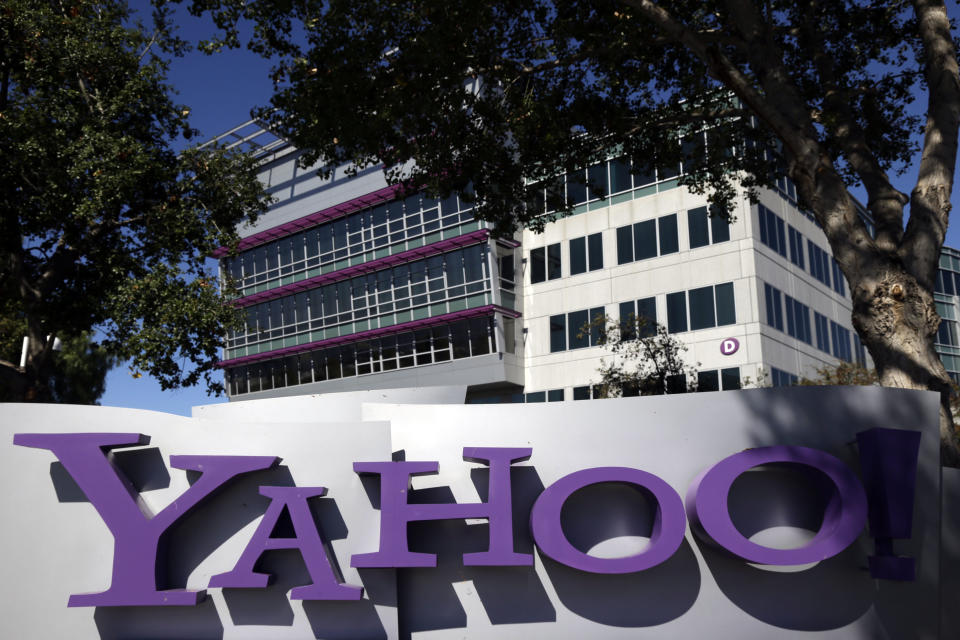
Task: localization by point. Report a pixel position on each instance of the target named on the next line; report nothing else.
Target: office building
(349, 283)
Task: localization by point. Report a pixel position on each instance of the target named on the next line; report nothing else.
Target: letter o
(668, 528)
(843, 518)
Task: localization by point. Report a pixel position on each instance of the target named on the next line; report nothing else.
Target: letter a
(307, 540)
(136, 535)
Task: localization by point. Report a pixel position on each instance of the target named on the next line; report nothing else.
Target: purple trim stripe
(371, 333)
(336, 211)
(473, 237)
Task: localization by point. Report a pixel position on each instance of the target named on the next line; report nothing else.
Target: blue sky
(220, 91)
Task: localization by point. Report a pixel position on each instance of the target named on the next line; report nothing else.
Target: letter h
(396, 512)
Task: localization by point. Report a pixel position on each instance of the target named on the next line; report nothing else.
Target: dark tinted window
(708, 381)
(578, 256)
(720, 229)
(726, 309)
(669, 242)
(576, 188)
(558, 333)
(624, 245)
(538, 265)
(597, 180)
(619, 175)
(577, 331)
(645, 239)
(553, 262)
(595, 245)
(677, 312)
(701, 308)
(647, 312)
(730, 378)
(698, 227)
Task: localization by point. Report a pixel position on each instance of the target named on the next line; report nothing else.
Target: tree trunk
(897, 319)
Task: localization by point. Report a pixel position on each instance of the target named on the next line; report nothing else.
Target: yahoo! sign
(888, 461)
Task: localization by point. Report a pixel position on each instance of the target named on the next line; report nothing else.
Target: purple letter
(843, 518)
(888, 462)
(395, 513)
(136, 535)
(668, 528)
(307, 540)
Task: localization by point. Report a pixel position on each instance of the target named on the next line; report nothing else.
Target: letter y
(136, 534)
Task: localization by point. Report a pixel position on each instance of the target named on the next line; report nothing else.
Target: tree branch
(930, 200)
(723, 69)
(885, 202)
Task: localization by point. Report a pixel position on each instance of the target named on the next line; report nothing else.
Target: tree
(79, 368)
(102, 224)
(647, 360)
(507, 94)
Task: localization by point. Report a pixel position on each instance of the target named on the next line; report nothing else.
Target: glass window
(474, 260)
(454, 268)
(698, 228)
(720, 228)
(509, 335)
(441, 343)
(581, 393)
(624, 245)
(628, 319)
(558, 333)
(619, 175)
(726, 308)
(253, 377)
(645, 239)
(668, 172)
(538, 265)
(578, 256)
(677, 312)
(669, 242)
(781, 237)
(305, 365)
(333, 363)
(534, 202)
(555, 395)
(238, 380)
(708, 381)
(479, 336)
(643, 173)
(422, 346)
(459, 339)
(553, 262)
(576, 188)
(647, 313)
(701, 308)
(730, 378)
(597, 321)
(677, 383)
(506, 270)
(555, 193)
(597, 182)
(272, 255)
(348, 361)
(595, 246)
(578, 332)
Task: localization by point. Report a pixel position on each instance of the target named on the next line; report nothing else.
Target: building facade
(947, 295)
(349, 283)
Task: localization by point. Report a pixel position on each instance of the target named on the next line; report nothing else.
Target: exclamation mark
(888, 462)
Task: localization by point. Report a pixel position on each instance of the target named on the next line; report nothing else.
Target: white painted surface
(54, 544)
